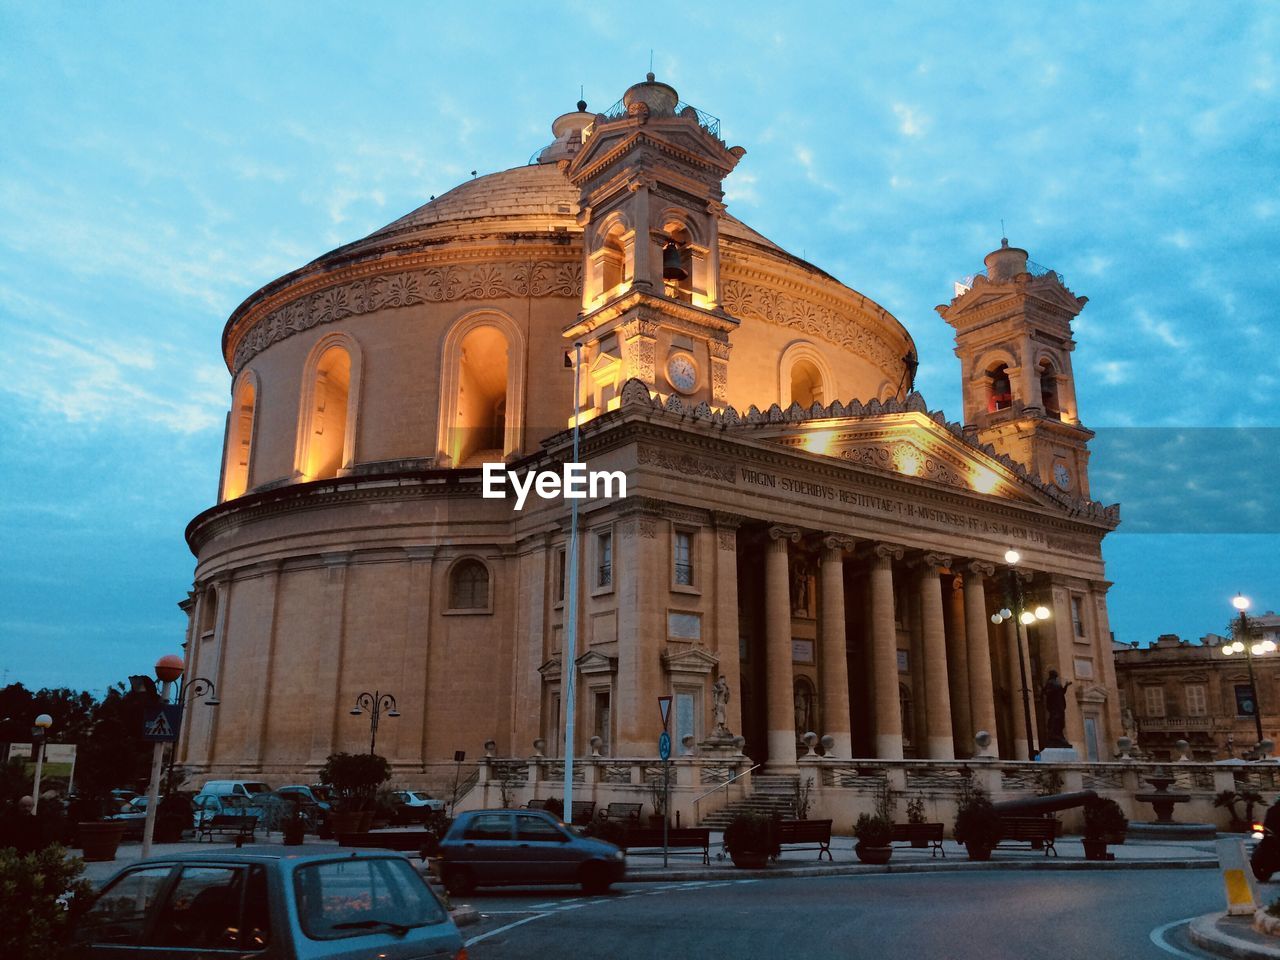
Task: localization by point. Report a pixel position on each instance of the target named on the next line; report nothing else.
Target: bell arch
(327, 421)
(242, 424)
(482, 386)
(611, 259)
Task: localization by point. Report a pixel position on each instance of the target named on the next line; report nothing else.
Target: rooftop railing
(705, 120)
(1033, 268)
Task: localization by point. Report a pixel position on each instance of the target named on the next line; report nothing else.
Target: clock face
(682, 372)
(1062, 476)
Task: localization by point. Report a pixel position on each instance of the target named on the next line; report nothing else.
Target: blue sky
(162, 161)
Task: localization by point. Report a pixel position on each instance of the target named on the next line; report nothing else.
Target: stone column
(982, 701)
(884, 653)
(726, 617)
(222, 591)
(781, 720)
(328, 702)
(262, 695)
(418, 649)
(958, 667)
(835, 664)
(937, 745)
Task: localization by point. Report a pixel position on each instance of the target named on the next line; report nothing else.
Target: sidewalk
(684, 866)
(1232, 937)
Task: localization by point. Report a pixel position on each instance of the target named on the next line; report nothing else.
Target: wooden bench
(646, 838)
(625, 813)
(422, 842)
(583, 811)
(241, 826)
(812, 834)
(1035, 831)
(536, 805)
(920, 834)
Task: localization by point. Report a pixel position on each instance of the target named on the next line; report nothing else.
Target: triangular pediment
(595, 662)
(692, 660)
(911, 445)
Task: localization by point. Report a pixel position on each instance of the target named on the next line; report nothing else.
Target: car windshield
(320, 793)
(347, 898)
(257, 788)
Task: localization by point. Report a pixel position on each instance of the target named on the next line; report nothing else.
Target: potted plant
(354, 779)
(293, 826)
(1104, 823)
(915, 815)
(97, 772)
(173, 816)
(751, 840)
(977, 824)
(874, 833)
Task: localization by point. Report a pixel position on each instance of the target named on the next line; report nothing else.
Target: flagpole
(568, 671)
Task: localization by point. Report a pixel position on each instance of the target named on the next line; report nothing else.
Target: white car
(416, 804)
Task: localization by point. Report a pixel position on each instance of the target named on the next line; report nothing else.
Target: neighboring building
(796, 519)
(1176, 689)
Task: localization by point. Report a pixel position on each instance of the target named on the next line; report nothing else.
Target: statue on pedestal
(1055, 708)
(719, 708)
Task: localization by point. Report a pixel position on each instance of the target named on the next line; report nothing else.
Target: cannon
(1038, 806)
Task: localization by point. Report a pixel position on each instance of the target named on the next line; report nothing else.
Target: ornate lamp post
(1016, 600)
(375, 703)
(39, 735)
(168, 670)
(1242, 644)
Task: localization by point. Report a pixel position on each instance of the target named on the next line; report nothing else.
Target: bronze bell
(672, 268)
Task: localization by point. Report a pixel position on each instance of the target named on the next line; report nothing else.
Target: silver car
(271, 906)
(496, 847)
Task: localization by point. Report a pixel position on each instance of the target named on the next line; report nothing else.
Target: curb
(464, 915)
(658, 875)
(1205, 933)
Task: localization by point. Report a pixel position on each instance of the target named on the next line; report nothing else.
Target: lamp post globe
(44, 721)
(1240, 602)
(169, 668)
(42, 724)
(1012, 556)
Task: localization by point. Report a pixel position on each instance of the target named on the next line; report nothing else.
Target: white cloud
(911, 122)
(1161, 330)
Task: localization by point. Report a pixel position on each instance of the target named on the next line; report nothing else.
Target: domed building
(795, 521)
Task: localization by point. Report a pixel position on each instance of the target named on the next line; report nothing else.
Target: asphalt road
(949, 916)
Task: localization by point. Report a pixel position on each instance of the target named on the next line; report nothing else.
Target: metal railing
(705, 120)
(1033, 268)
(697, 816)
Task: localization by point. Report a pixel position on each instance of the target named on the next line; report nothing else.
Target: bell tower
(649, 172)
(1013, 338)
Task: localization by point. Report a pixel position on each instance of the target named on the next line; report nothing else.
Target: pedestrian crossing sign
(160, 724)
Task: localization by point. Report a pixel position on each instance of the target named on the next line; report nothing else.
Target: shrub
(42, 895)
(874, 830)
(355, 778)
(915, 810)
(555, 807)
(977, 823)
(1103, 817)
(751, 833)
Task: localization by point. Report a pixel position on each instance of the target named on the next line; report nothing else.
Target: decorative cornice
(447, 282)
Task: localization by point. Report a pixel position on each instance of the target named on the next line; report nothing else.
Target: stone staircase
(770, 796)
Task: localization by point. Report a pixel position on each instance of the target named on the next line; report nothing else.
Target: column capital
(837, 544)
(883, 551)
(929, 562)
(981, 568)
(780, 532)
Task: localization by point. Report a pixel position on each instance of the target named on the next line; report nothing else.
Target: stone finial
(810, 741)
(1266, 748)
(686, 745)
(982, 740)
(596, 744)
(828, 746)
(539, 748)
(1123, 746)
(1184, 751)
(739, 744)
(490, 747)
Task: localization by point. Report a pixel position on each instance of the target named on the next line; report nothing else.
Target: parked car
(317, 794)
(276, 806)
(500, 847)
(269, 903)
(413, 806)
(134, 816)
(239, 788)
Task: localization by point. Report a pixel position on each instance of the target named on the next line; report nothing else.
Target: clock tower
(649, 172)
(1013, 338)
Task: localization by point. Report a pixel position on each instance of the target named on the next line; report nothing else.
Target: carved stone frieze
(743, 299)
(907, 458)
(442, 284)
(686, 464)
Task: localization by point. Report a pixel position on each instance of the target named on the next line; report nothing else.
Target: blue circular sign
(664, 746)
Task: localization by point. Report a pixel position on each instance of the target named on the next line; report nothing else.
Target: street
(958, 916)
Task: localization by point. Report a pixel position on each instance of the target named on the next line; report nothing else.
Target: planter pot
(876, 855)
(348, 821)
(169, 829)
(1096, 849)
(978, 851)
(99, 841)
(366, 821)
(750, 859)
(293, 835)
(1114, 839)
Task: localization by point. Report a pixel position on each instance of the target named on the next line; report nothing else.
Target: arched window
(677, 263)
(1049, 390)
(613, 261)
(326, 443)
(208, 611)
(480, 422)
(469, 586)
(806, 384)
(235, 476)
(1000, 390)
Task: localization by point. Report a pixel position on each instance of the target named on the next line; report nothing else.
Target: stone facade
(797, 520)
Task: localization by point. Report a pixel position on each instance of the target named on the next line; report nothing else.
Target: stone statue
(720, 706)
(800, 588)
(1055, 706)
(804, 706)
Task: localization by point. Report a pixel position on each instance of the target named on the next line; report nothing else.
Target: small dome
(1005, 263)
(658, 97)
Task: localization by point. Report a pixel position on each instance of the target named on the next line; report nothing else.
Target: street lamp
(43, 723)
(198, 688)
(168, 670)
(1250, 650)
(375, 703)
(1016, 607)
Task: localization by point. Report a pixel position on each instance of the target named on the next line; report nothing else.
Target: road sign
(664, 746)
(664, 707)
(160, 723)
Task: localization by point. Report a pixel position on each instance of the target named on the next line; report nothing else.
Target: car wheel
(457, 880)
(594, 878)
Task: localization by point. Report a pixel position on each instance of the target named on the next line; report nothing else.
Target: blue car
(517, 847)
(270, 905)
